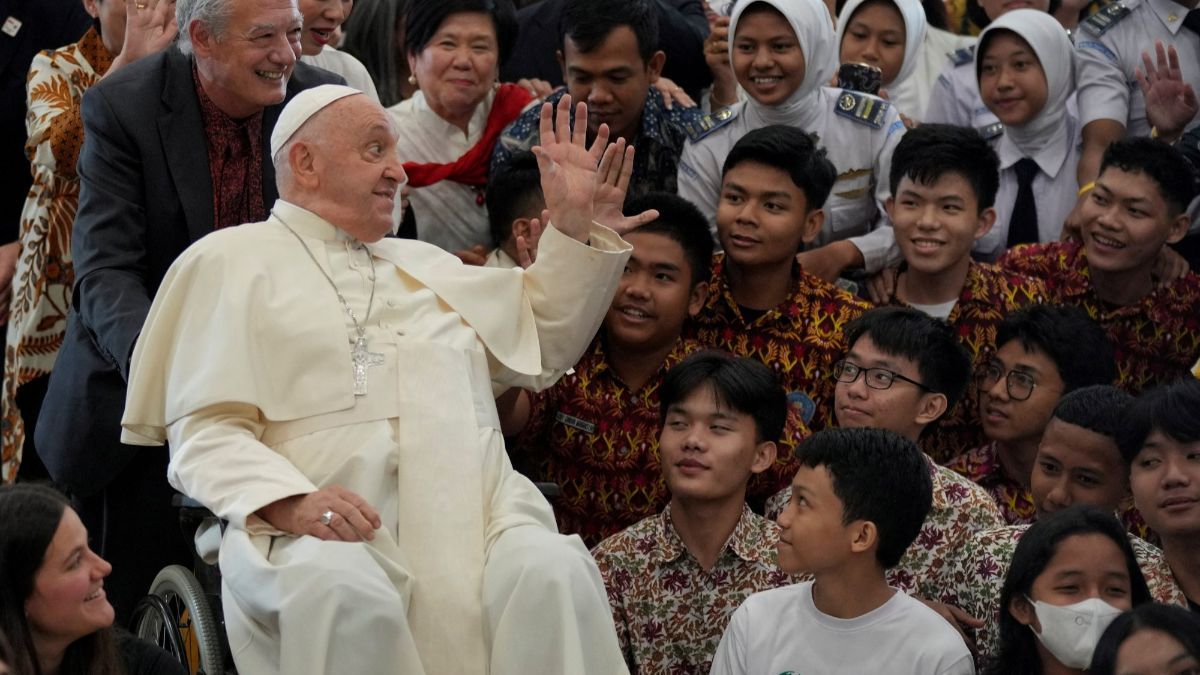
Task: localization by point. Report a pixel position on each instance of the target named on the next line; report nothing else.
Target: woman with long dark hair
(1072, 573)
(53, 608)
(1150, 640)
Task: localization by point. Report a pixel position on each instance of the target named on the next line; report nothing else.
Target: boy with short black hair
(1137, 206)
(858, 501)
(514, 199)
(595, 432)
(1160, 438)
(761, 303)
(944, 180)
(1044, 352)
(1078, 462)
(903, 371)
(675, 578)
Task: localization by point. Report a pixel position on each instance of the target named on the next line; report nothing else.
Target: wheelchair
(182, 612)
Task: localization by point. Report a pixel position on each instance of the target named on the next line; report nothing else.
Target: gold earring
(412, 79)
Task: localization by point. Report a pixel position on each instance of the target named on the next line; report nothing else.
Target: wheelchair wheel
(176, 616)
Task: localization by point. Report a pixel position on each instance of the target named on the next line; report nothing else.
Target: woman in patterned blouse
(43, 280)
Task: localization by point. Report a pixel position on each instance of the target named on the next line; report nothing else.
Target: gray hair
(212, 13)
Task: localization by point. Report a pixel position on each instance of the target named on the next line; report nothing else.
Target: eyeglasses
(876, 378)
(1018, 384)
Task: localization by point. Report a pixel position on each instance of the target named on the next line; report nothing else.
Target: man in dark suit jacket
(175, 145)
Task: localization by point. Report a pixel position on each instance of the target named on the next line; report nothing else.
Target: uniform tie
(1192, 21)
(1023, 226)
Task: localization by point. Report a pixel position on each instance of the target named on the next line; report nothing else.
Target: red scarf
(472, 167)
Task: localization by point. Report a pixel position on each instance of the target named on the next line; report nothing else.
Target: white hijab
(813, 26)
(1053, 48)
(913, 14)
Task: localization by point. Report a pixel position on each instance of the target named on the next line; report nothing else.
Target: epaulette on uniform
(862, 108)
(1102, 21)
(704, 125)
(962, 56)
(993, 130)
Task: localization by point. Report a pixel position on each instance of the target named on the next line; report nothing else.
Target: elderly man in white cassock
(331, 393)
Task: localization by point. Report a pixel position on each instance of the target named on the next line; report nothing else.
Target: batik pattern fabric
(982, 467)
(597, 439)
(800, 339)
(670, 612)
(1156, 339)
(978, 568)
(659, 141)
(41, 287)
(989, 295)
(960, 510)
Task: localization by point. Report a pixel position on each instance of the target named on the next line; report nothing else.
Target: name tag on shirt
(12, 26)
(575, 423)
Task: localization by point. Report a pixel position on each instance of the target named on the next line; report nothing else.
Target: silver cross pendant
(363, 359)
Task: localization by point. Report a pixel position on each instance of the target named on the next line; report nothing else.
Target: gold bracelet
(1087, 187)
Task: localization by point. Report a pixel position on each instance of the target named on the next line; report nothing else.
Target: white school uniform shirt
(912, 95)
(782, 631)
(1109, 46)
(351, 69)
(955, 98)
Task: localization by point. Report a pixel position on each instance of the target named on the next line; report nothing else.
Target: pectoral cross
(363, 359)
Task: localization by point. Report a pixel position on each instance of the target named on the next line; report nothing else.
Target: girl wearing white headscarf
(858, 131)
(1009, 85)
(923, 52)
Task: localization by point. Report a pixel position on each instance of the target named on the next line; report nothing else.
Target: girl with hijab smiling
(782, 53)
(1026, 77)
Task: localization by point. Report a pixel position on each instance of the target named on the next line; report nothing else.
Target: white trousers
(331, 607)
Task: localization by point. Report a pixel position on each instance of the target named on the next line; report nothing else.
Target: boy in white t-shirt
(858, 501)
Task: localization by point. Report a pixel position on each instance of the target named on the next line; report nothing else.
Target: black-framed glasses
(1017, 383)
(876, 378)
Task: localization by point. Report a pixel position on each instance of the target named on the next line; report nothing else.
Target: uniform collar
(745, 541)
(306, 223)
(1050, 159)
(1170, 13)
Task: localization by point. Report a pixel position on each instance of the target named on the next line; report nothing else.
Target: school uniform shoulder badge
(699, 127)
(963, 56)
(862, 108)
(991, 131)
(1108, 16)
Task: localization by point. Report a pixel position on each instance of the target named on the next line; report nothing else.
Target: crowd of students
(898, 379)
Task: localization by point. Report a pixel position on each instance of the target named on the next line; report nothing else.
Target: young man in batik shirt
(1137, 206)
(944, 181)
(1045, 351)
(1078, 462)
(595, 432)
(675, 578)
(761, 303)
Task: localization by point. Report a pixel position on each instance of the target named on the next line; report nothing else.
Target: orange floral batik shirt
(989, 294)
(799, 340)
(597, 439)
(41, 287)
(669, 611)
(1156, 339)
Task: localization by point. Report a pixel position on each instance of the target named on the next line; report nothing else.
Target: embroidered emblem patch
(862, 108)
(1099, 23)
(706, 124)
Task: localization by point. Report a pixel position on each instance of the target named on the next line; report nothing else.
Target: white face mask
(1070, 632)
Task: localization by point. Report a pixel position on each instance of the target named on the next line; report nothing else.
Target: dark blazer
(145, 195)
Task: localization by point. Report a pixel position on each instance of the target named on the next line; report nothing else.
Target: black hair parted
(425, 17)
(680, 221)
(1017, 652)
(879, 476)
(1171, 409)
(1078, 346)
(942, 361)
(1183, 626)
(980, 18)
(930, 151)
(792, 151)
(514, 191)
(588, 23)
(1158, 161)
(743, 385)
(1099, 408)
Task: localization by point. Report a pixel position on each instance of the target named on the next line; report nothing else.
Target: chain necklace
(360, 357)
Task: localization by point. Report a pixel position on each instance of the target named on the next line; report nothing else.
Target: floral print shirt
(982, 466)
(669, 612)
